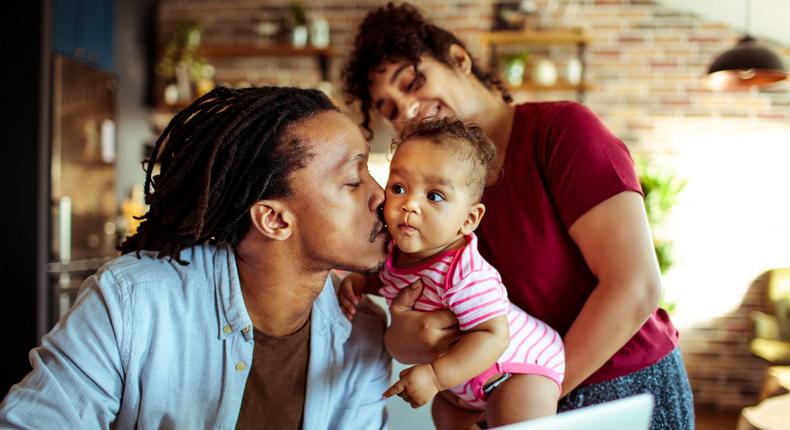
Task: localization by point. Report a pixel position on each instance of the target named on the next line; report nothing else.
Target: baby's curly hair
(396, 32)
(466, 138)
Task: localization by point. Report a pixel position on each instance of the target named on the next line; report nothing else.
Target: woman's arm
(615, 239)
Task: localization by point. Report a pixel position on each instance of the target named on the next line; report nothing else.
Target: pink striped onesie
(462, 281)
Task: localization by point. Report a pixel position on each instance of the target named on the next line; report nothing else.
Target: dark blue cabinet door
(104, 38)
(83, 29)
(64, 26)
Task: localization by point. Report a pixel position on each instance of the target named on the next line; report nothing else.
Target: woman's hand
(417, 336)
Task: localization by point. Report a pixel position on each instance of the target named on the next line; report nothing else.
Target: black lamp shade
(746, 65)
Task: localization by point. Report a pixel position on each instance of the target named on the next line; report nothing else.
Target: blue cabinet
(83, 30)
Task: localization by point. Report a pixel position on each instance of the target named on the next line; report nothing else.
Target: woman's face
(400, 93)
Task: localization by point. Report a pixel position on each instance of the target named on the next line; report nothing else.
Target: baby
(507, 366)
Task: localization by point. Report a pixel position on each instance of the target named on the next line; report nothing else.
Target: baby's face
(427, 196)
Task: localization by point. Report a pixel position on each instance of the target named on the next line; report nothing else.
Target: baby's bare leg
(521, 398)
(448, 414)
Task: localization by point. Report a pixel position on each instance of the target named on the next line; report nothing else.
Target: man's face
(335, 200)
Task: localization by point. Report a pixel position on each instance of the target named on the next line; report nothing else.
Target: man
(220, 315)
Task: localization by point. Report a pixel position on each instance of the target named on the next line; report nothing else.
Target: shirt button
(240, 366)
(246, 329)
(227, 329)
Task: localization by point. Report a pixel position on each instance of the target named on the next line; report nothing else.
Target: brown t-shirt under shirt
(275, 390)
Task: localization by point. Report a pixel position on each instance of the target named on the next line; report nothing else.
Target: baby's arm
(478, 348)
(352, 287)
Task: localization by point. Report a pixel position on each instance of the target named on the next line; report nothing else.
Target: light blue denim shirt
(150, 344)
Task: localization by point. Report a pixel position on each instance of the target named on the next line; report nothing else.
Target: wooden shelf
(217, 51)
(323, 56)
(559, 86)
(545, 38)
(572, 37)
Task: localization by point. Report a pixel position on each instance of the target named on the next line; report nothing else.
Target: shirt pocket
(362, 416)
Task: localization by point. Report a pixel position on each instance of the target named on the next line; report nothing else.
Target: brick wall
(645, 63)
(722, 371)
(227, 22)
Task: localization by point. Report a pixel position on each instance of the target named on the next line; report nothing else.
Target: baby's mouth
(405, 227)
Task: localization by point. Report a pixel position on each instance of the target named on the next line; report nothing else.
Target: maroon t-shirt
(561, 162)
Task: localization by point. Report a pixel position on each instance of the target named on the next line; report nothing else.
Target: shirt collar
(233, 316)
(327, 315)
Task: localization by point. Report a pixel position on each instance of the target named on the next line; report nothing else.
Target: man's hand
(350, 292)
(417, 385)
(417, 336)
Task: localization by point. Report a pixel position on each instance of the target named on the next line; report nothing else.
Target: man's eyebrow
(357, 158)
(353, 160)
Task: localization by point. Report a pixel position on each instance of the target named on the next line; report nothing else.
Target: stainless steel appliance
(82, 177)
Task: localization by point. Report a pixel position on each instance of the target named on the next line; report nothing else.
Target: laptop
(631, 413)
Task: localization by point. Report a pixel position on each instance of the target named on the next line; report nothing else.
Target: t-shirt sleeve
(476, 298)
(582, 162)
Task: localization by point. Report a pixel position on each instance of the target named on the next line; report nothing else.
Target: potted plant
(299, 31)
(181, 64)
(660, 188)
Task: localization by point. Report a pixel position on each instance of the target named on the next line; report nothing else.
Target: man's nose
(376, 197)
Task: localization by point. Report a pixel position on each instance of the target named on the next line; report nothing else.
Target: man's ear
(460, 59)
(473, 217)
(272, 219)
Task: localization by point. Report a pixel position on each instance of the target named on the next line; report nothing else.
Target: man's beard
(377, 228)
(378, 267)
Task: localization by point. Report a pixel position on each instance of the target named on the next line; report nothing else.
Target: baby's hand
(417, 385)
(350, 292)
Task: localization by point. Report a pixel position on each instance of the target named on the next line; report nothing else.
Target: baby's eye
(398, 189)
(435, 197)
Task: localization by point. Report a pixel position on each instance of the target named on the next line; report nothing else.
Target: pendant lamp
(746, 65)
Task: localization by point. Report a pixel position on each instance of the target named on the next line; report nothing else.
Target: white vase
(299, 36)
(544, 73)
(573, 71)
(319, 33)
(514, 72)
(183, 83)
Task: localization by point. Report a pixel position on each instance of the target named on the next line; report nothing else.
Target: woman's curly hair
(394, 32)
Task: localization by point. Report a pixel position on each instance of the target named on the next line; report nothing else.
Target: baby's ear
(473, 216)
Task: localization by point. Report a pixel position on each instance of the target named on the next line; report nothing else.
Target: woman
(565, 223)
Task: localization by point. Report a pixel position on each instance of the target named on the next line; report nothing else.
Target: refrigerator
(82, 170)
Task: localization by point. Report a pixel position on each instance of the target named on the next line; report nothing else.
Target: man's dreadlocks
(216, 158)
